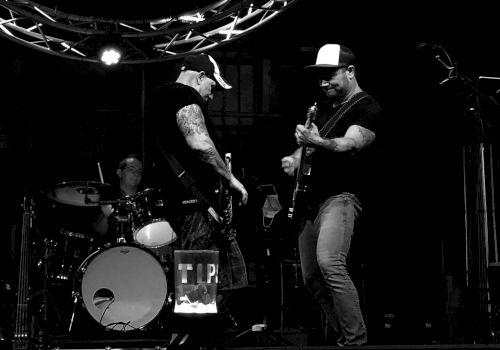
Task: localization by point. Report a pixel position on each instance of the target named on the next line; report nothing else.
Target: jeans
(324, 244)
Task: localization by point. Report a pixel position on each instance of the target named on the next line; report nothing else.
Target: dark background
(59, 117)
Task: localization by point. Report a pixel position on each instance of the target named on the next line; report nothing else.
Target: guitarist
(339, 145)
(188, 164)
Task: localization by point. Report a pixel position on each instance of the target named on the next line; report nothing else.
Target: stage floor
(232, 339)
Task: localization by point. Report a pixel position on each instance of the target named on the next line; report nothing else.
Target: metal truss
(141, 40)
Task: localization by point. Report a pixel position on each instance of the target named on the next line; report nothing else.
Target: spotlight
(110, 55)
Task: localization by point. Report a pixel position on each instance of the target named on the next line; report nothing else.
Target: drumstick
(100, 172)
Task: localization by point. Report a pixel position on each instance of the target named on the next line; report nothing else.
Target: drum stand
(75, 300)
(125, 223)
(44, 293)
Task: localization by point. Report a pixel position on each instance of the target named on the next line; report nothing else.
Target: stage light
(110, 55)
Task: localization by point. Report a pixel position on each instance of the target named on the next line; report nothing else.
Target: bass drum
(123, 287)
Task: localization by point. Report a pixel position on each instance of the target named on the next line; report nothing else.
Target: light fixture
(145, 40)
(110, 55)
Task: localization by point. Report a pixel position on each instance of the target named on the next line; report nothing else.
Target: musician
(181, 128)
(339, 165)
(129, 173)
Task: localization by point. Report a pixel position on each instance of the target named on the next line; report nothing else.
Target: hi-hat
(78, 193)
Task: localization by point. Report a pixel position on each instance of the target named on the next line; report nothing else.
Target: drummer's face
(132, 173)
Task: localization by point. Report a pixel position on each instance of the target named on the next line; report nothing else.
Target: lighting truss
(143, 40)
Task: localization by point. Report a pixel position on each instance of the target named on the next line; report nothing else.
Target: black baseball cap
(206, 63)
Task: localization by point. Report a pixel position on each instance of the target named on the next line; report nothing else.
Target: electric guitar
(304, 168)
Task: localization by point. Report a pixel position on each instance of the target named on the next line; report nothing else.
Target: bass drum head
(124, 287)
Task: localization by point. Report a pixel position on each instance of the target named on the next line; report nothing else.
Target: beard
(334, 95)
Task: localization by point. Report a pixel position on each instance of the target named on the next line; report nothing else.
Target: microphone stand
(480, 234)
(454, 75)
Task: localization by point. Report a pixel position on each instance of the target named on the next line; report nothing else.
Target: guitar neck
(22, 326)
(228, 199)
(304, 168)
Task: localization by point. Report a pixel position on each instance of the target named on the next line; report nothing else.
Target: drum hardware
(76, 296)
(124, 223)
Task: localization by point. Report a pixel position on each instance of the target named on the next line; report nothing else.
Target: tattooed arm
(355, 139)
(191, 122)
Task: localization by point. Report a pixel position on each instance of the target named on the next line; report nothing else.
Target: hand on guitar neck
(292, 162)
(298, 162)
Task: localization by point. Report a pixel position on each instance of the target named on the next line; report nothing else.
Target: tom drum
(150, 226)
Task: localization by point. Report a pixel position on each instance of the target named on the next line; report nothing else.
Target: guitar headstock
(312, 113)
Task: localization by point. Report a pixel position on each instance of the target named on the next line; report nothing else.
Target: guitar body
(302, 177)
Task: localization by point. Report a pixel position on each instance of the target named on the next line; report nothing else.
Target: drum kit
(121, 284)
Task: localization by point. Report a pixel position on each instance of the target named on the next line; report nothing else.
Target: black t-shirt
(333, 173)
(165, 102)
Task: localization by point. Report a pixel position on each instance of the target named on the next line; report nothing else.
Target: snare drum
(150, 226)
(123, 287)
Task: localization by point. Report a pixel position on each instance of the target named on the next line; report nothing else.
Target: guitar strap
(327, 128)
(187, 180)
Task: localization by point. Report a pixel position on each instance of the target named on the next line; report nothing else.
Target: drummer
(129, 172)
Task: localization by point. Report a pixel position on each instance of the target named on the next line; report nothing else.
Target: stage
(289, 340)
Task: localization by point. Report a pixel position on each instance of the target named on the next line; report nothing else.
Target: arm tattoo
(341, 144)
(211, 156)
(191, 120)
(355, 139)
(192, 125)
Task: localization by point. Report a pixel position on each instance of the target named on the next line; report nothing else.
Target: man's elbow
(196, 144)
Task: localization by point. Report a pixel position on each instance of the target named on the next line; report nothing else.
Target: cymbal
(78, 193)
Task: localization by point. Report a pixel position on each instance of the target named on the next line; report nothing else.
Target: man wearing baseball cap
(336, 145)
(179, 127)
(205, 63)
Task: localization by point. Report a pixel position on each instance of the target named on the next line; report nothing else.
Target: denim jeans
(324, 245)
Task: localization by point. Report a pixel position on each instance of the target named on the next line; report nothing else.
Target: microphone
(428, 46)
